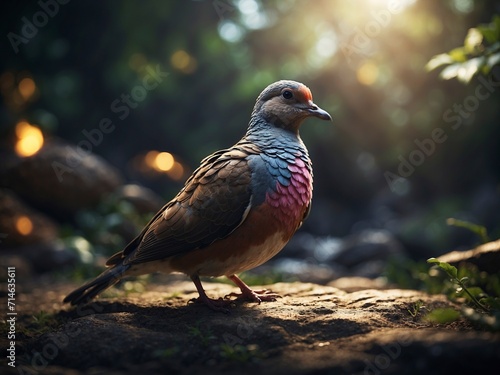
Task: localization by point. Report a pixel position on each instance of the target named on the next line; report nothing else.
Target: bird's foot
(258, 296)
(219, 305)
(249, 294)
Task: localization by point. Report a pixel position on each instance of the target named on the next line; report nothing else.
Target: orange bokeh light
(30, 139)
(26, 88)
(24, 225)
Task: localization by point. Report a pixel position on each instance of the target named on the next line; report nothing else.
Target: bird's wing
(214, 202)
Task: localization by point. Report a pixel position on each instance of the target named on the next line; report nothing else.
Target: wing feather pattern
(212, 204)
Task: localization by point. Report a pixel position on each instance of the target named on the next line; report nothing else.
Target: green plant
(41, 322)
(452, 272)
(442, 316)
(486, 303)
(480, 52)
(240, 353)
(42, 317)
(203, 336)
(415, 308)
(466, 285)
(477, 229)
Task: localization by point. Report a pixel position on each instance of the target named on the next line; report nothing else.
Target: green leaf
(470, 68)
(473, 40)
(458, 54)
(450, 270)
(451, 71)
(488, 34)
(442, 316)
(475, 228)
(438, 60)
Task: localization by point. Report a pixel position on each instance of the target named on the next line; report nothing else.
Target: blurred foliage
(452, 272)
(479, 54)
(442, 316)
(210, 59)
(479, 230)
(482, 288)
(101, 232)
(477, 293)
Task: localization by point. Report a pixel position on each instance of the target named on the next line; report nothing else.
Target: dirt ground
(312, 329)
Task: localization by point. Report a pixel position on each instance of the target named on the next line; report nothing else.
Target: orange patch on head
(304, 94)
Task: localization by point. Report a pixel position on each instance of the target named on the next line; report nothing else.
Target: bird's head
(286, 104)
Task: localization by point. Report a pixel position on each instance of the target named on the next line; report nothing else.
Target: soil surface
(312, 329)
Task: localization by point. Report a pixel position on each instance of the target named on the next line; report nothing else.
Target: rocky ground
(312, 329)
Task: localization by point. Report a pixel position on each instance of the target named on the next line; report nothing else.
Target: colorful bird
(236, 211)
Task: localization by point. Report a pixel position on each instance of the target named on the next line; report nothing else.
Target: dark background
(364, 62)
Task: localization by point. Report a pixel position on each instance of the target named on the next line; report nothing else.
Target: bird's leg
(252, 295)
(219, 305)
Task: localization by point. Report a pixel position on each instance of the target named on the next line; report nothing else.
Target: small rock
(29, 238)
(60, 179)
(21, 225)
(143, 199)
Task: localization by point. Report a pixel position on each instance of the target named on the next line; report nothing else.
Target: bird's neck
(259, 127)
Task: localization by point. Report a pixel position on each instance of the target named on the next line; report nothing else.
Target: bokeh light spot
(30, 139)
(164, 161)
(24, 225)
(230, 32)
(367, 73)
(26, 88)
(399, 117)
(177, 171)
(463, 6)
(183, 61)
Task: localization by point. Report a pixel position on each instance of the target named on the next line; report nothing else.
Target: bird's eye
(287, 94)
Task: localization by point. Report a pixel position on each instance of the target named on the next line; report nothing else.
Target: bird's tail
(91, 289)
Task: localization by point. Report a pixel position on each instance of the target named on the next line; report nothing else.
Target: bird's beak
(315, 111)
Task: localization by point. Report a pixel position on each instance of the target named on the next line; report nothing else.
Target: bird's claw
(258, 296)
